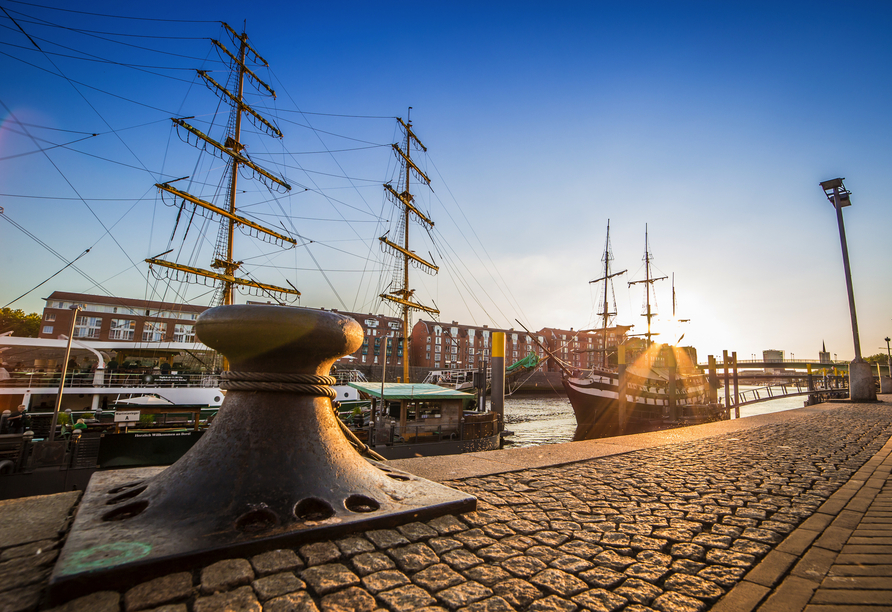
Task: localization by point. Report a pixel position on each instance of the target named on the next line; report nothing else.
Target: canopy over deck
(410, 391)
(18, 348)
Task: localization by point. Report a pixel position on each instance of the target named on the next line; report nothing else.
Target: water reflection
(549, 419)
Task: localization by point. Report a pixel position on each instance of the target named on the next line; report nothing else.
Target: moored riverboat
(411, 420)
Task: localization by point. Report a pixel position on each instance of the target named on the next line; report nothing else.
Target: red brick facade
(123, 319)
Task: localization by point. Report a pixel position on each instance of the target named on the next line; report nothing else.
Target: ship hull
(595, 401)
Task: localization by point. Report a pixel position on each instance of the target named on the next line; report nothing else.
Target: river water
(549, 419)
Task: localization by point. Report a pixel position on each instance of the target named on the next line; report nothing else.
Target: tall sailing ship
(659, 392)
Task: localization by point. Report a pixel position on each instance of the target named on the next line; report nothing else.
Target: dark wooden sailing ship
(658, 392)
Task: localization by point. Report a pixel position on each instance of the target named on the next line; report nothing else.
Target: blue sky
(711, 122)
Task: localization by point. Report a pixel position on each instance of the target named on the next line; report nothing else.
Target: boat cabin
(420, 409)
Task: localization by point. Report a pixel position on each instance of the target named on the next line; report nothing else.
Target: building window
(47, 329)
(121, 329)
(87, 327)
(183, 333)
(50, 316)
(153, 331)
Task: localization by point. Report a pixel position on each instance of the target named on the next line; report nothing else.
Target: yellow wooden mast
(403, 295)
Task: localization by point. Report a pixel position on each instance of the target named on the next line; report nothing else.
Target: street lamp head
(834, 189)
(888, 339)
(832, 184)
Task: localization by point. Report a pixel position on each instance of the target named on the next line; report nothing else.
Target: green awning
(409, 391)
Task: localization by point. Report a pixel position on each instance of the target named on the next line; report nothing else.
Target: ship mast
(648, 281)
(232, 150)
(402, 294)
(605, 312)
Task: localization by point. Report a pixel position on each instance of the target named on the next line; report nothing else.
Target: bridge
(792, 364)
(822, 389)
(819, 380)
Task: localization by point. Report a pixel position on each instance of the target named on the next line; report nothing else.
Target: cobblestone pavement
(672, 528)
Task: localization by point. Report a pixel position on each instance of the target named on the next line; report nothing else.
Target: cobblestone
(463, 594)
(320, 553)
(352, 599)
(637, 590)
(159, 591)
(324, 579)
(354, 545)
(487, 574)
(369, 563)
(406, 599)
(437, 577)
(671, 528)
(384, 581)
(277, 585)
(276, 561)
(240, 600)
(224, 575)
(414, 557)
(519, 593)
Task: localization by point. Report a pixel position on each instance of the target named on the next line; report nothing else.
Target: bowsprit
(273, 470)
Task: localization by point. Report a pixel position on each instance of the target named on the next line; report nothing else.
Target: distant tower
(824, 356)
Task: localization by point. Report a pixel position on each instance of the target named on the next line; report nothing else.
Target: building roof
(65, 296)
(408, 391)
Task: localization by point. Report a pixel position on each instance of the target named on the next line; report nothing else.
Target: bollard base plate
(125, 551)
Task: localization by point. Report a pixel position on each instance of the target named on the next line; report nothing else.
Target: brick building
(377, 331)
(583, 349)
(455, 345)
(122, 319)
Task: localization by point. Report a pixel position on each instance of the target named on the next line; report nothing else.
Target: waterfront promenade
(785, 511)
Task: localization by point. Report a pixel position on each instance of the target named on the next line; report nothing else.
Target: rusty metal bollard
(273, 470)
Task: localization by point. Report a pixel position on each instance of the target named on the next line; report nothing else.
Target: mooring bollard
(273, 469)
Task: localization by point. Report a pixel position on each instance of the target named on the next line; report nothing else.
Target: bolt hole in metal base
(124, 487)
(257, 520)
(312, 509)
(126, 495)
(125, 512)
(361, 503)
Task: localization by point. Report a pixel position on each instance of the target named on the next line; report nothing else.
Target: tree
(19, 323)
(878, 358)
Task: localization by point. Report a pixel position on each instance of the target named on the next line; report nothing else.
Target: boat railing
(113, 379)
(451, 378)
(348, 376)
(23, 453)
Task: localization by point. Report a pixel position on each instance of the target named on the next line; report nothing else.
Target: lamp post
(886, 381)
(889, 359)
(75, 308)
(861, 386)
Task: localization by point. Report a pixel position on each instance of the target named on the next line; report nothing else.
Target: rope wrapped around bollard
(298, 384)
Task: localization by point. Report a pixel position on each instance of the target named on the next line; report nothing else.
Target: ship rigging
(400, 292)
(231, 150)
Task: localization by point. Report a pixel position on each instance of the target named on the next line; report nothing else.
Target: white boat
(100, 388)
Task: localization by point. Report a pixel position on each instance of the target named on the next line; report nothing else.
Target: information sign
(126, 416)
